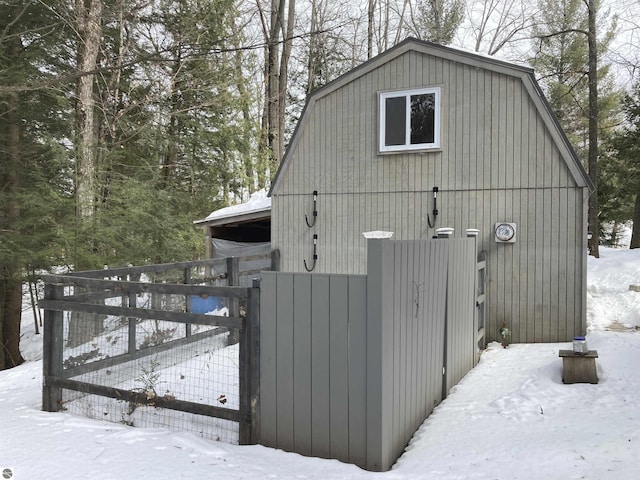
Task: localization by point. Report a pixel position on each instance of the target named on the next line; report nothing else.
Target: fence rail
(131, 319)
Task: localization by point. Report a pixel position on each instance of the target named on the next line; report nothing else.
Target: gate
(127, 345)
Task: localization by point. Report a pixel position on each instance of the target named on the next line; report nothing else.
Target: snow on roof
(258, 202)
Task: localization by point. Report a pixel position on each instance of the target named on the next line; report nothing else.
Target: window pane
(395, 121)
(422, 118)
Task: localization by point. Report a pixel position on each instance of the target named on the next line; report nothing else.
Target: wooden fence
(91, 297)
(335, 366)
(351, 365)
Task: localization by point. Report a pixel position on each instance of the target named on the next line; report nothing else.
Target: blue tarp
(205, 304)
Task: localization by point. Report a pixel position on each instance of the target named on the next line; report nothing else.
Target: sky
(511, 417)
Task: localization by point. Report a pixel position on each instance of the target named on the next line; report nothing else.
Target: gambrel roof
(525, 74)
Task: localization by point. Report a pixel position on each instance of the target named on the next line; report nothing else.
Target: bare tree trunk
(635, 233)
(276, 73)
(370, 24)
(385, 26)
(273, 81)
(89, 14)
(593, 131)
(170, 163)
(249, 164)
(312, 64)
(11, 316)
(10, 278)
(283, 80)
(401, 21)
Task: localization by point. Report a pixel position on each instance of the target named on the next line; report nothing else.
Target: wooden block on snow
(579, 367)
(634, 288)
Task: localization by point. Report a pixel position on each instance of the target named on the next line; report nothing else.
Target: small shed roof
(526, 75)
(258, 207)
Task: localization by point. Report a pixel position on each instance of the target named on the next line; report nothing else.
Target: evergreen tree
(35, 198)
(205, 144)
(620, 173)
(172, 137)
(438, 20)
(578, 88)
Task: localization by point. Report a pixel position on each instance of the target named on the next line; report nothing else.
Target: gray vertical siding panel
(345, 346)
(533, 264)
(484, 177)
(470, 79)
(414, 310)
(452, 319)
(573, 264)
(581, 299)
(514, 209)
(334, 158)
(268, 360)
(460, 334)
(431, 357)
(511, 123)
(457, 142)
(515, 154)
(285, 359)
(540, 161)
(563, 264)
(555, 236)
(436, 320)
(493, 140)
(540, 269)
(420, 369)
(405, 299)
(496, 132)
(398, 346)
(302, 346)
(357, 370)
(320, 367)
(410, 358)
(379, 355)
(304, 238)
(523, 278)
(496, 278)
(339, 380)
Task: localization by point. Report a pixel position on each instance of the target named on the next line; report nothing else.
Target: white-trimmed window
(410, 120)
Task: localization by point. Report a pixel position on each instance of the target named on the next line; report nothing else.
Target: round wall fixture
(505, 232)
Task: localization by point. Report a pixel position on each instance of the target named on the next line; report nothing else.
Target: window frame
(407, 146)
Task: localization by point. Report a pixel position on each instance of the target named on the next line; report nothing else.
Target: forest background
(122, 121)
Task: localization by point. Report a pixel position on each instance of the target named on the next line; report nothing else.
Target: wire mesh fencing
(143, 351)
(203, 372)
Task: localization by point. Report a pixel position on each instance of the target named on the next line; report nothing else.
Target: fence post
(187, 300)
(132, 322)
(379, 415)
(233, 279)
(250, 369)
(275, 260)
(52, 351)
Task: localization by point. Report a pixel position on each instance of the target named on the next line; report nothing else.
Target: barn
(423, 137)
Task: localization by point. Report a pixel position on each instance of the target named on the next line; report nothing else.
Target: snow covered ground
(509, 418)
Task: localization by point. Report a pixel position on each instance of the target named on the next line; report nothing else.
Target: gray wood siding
(313, 365)
(351, 365)
(498, 162)
(461, 331)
